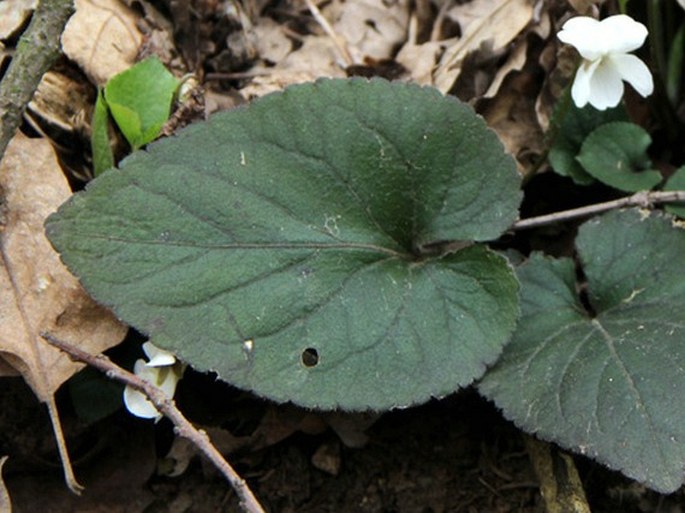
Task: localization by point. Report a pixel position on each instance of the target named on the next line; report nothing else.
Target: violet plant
(329, 245)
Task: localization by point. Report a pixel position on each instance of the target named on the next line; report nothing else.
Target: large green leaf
(610, 384)
(294, 246)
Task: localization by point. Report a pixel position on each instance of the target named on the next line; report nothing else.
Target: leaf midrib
(353, 246)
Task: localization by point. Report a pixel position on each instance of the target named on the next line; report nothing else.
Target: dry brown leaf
(102, 38)
(5, 504)
(586, 7)
(272, 43)
(13, 14)
(371, 28)
(317, 57)
(493, 24)
(62, 102)
(512, 115)
(559, 63)
(37, 293)
(6, 370)
(419, 59)
(515, 62)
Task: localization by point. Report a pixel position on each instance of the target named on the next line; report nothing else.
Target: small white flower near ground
(604, 47)
(162, 370)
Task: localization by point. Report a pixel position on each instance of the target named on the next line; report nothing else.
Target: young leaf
(295, 246)
(605, 380)
(616, 154)
(103, 157)
(139, 100)
(572, 125)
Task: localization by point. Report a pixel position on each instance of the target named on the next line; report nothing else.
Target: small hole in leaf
(310, 357)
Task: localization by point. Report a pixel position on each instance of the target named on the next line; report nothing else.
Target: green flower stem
(656, 35)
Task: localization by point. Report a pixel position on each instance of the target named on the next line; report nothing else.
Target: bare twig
(37, 50)
(639, 199)
(340, 44)
(167, 407)
(560, 485)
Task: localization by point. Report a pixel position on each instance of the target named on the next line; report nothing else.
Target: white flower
(162, 371)
(604, 46)
(682, 3)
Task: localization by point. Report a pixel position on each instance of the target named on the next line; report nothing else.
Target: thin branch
(167, 407)
(643, 199)
(339, 43)
(560, 485)
(37, 50)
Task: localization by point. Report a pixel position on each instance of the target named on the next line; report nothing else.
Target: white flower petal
(583, 33)
(622, 34)
(136, 402)
(139, 405)
(158, 357)
(682, 3)
(635, 72)
(580, 92)
(606, 86)
(166, 378)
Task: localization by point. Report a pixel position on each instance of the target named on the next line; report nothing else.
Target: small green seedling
(139, 101)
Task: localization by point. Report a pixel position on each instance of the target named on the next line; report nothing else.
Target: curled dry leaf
(273, 44)
(102, 37)
(511, 113)
(37, 293)
(370, 28)
(586, 7)
(515, 62)
(7, 370)
(61, 102)
(419, 58)
(316, 58)
(13, 14)
(5, 504)
(493, 24)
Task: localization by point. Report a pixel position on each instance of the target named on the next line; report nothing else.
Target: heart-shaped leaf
(616, 154)
(297, 246)
(139, 100)
(571, 126)
(606, 380)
